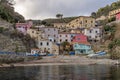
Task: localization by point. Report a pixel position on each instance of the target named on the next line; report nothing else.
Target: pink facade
(23, 27)
(80, 38)
(118, 16)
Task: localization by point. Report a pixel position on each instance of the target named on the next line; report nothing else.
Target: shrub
(1, 29)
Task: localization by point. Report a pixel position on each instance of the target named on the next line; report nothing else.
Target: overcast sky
(41, 9)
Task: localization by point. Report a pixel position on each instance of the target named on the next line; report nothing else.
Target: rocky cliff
(8, 43)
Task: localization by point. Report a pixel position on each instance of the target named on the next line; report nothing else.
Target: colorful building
(68, 36)
(64, 36)
(47, 46)
(94, 34)
(118, 16)
(35, 33)
(59, 25)
(81, 22)
(81, 45)
(113, 13)
(51, 33)
(23, 27)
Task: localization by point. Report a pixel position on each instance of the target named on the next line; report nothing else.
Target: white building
(51, 33)
(47, 46)
(94, 34)
(63, 36)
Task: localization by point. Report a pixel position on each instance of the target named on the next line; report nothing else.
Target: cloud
(41, 9)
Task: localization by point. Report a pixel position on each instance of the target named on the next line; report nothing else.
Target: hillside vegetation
(62, 20)
(112, 39)
(10, 39)
(105, 10)
(7, 12)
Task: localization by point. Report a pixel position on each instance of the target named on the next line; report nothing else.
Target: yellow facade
(59, 25)
(55, 49)
(81, 22)
(34, 33)
(113, 13)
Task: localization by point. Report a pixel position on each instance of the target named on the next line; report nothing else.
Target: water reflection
(69, 72)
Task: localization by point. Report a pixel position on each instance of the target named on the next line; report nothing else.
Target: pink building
(23, 27)
(80, 38)
(118, 16)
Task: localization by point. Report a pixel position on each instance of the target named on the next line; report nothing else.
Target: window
(86, 21)
(95, 36)
(41, 43)
(76, 20)
(50, 40)
(81, 22)
(48, 35)
(54, 29)
(32, 31)
(54, 35)
(95, 31)
(78, 38)
(54, 40)
(60, 40)
(75, 45)
(19, 26)
(89, 36)
(90, 31)
(71, 36)
(47, 43)
(66, 35)
(91, 21)
(60, 35)
(66, 40)
(48, 29)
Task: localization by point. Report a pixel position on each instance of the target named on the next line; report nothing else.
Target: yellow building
(113, 13)
(81, 22)
(47, 46)
(34, 33)
(60, 26)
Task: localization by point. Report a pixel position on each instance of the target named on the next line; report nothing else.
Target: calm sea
(61, 72)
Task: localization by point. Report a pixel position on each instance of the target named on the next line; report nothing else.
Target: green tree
(7, 11)
(93, 14)
(59, 15)
(66, 46)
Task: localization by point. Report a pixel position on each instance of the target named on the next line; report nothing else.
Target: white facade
(47, 46)
(62, 37)
(51, 33)
(94, 33)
